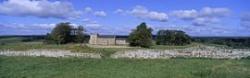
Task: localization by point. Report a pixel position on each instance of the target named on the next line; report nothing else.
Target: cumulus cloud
(97, 28)
(93, 25)
(89, 10)
(214, 12)
(185, 14)
(39, 8)
(100, 13)
(202, 21)
(119, 11)
(203, 17)
(28, 29)
(25, 29)
(143, 13)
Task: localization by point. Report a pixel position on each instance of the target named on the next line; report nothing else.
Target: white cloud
(44, 26)
(94, 25)
(86, 20)
(201, 21)
(39, 8)
(143, 13)
(140, 12)
(100, 13)
(214, 12)
(25, 29)
(159, 16)
(203, 17)
(119, 11)
(89, 10)
(185, 14)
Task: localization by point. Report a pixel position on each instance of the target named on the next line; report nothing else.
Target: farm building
(97, 39)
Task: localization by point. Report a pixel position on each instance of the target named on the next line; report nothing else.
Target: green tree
(141, 36)
(80, 34)
(61, 33)
(48, 39)
(172, 37)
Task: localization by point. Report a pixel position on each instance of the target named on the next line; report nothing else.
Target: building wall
(106, 41)
(94, 39)
(121, 42)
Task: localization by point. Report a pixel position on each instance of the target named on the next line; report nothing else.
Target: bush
(172, 37)
(61, 33)
(141, 36)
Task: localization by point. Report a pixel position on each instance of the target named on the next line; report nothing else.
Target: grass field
(42, 67)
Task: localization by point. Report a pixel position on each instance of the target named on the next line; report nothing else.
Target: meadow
(73, 67)
(44, 67)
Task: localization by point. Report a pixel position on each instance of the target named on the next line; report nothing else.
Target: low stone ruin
(49, 53)
(200, 52)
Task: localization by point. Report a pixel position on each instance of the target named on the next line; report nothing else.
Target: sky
(119, 17)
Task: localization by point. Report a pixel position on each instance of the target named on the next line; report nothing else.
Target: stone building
(97, 39)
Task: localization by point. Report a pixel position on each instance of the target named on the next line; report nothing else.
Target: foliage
(65, 33)
(48, 39)
(61, 33)
(172, 37)
(141, 36)
(42, 67)
(233, 42)
(80, 34)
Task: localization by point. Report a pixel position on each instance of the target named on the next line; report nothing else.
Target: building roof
(118, 37)
(106, 36)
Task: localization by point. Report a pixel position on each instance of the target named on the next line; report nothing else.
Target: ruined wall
(96, 40)
(121, 42)
(106, 41)
(93, 39)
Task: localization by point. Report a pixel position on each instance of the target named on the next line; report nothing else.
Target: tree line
(65, 33)
(141, 36)
(233, 42)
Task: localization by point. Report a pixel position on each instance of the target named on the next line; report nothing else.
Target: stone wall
(93, 39)
(106, 41)
(96, 40)
(49, 53)
(121, 42)
(200, 52)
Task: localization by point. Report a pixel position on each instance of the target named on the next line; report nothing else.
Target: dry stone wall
(49, 53)
(201, 51)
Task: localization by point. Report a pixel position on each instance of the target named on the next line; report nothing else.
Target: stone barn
(97, 39)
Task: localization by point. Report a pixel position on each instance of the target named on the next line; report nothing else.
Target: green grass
(10, 40)
(43, 67)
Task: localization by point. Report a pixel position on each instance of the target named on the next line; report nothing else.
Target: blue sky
(195, 17)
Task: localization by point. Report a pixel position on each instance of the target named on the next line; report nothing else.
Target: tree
(80, 34)
(141, 36)
(172, 37)
(48, 39)
(61, 33)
